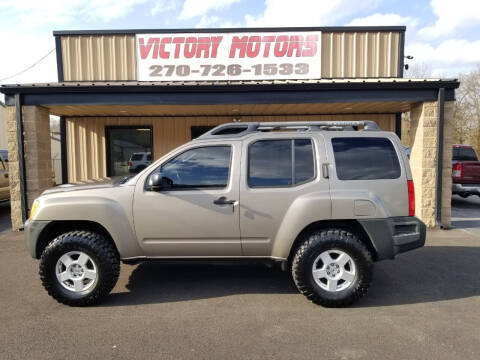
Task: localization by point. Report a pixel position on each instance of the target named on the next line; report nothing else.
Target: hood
(73, 187)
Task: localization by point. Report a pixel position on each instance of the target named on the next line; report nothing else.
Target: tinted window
(137, 157)
(149, 157)
(464, 154)
(271, 163)
(205, 167)
(304, 168)
(365, 159)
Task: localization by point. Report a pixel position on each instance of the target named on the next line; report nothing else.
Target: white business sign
(232, 56)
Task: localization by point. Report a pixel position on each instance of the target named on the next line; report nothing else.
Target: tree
(467, 109)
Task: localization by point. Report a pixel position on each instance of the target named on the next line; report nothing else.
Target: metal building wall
(86, 143)
(344, 55)
(360, 54)
(105, 57)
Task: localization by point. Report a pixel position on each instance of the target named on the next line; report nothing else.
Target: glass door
(129, 149)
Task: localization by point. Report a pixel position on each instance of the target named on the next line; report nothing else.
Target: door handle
(325, 171)
(223, 201)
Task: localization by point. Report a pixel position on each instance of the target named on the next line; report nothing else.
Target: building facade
(127, 97)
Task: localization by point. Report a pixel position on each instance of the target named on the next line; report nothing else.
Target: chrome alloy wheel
(334, 270)
(76, 272)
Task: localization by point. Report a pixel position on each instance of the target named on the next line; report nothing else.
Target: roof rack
(241, 129)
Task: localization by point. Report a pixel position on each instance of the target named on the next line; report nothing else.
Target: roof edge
(230, 30)
(151, 87)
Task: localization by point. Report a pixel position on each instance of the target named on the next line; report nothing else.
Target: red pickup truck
(465, 171)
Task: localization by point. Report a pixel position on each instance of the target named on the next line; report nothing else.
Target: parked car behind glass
(139, 161)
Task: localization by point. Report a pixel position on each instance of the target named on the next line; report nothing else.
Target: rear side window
(464, 154)
(280, 163)
(365, 158)
(137, 157)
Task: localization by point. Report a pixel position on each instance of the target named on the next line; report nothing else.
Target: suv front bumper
(395, 235)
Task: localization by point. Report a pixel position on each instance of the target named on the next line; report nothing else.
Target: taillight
(411, 198)
(457, 170)
(130, 163)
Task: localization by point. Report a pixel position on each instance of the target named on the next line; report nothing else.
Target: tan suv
(323, 199)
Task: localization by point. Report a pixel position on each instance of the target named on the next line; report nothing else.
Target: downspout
(440, 127)
(21, 158)
(63, 149)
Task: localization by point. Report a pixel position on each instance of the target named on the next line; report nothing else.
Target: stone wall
(423, 160)
(13, 169)
(37, 154)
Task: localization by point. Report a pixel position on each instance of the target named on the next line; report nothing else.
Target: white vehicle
(139, 161)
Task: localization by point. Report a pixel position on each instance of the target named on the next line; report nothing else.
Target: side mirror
(158, 182)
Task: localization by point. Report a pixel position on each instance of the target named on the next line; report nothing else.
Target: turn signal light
(411, 198)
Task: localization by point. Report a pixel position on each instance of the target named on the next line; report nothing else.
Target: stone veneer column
(37, 154)
(13, 169)
(447, 164)
(423, 160)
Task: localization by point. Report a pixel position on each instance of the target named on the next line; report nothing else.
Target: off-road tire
(312, 246)
(98, 248)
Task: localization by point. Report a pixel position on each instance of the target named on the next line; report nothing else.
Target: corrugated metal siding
(344, 55)
(86, 143)
(360, 54)
(108, 57)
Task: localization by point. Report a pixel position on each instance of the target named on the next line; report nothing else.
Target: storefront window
(129, 149)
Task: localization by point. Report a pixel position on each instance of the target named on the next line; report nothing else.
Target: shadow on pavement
(433, 273)
(156, 282)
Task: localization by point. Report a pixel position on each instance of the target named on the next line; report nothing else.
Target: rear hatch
(466, 161)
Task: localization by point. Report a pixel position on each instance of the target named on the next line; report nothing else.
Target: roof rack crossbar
(239, 129)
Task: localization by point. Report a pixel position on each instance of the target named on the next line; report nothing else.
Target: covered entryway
(170, 111)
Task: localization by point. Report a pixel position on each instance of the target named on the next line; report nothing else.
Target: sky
(443, 36)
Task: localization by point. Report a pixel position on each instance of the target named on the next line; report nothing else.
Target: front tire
(332, 268)
(79, 268)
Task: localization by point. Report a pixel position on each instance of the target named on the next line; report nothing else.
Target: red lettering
(310, 45)
(203, 45)
(238, 44)
(281, 46)
(145, 49)
(165, 54)
(296, 43)
(253, 46)
(190, 47)
(267, 40)
(177, 41)
(216, 40)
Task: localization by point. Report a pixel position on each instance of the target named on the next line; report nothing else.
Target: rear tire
(79, 268)
(332, 268)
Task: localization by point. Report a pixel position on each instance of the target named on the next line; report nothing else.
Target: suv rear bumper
(392, 236)
(473, 189)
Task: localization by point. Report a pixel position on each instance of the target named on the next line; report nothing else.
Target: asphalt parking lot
(423, 305)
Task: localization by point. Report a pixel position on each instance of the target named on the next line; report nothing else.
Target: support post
(63, 149)
(21, 157)
(439, 187)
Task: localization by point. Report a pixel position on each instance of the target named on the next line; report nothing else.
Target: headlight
(34, 208)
